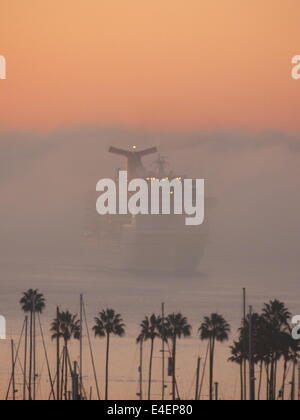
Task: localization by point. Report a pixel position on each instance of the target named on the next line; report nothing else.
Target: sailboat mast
(217, 391)
(298, 381)
(57, 357)
(197, 379)
(245, 346)
(141, 370)
(13, 371)
(34, 348)
(251, 365)
(25, 358)
(163, 353)
(81, 347)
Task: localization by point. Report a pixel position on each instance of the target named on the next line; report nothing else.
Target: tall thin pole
(91, 351)
(34, 349)
(293, 384)
(75, 388)
(16, 357)
(66, 373)
(25, 358)
(163, 354)
(198, 379)
(217, 391)
(62, 373)
(174, 368)
(245, 346)
(57, 357)
(13, 370)
(81, 347)
(141, 370)
(47, 358)
(251, 364)
(298, 381)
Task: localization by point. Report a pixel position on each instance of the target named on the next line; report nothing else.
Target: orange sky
(172, 64)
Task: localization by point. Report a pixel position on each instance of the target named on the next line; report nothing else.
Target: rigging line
(14, 364)
(62, 374)
(47, 359)
(192, 385)
(195, 375)
(71, 371)
(91, 351)
(203, 373)
(133, 363)
(55, 378)
(39, 382)
(171, 355)
(22, 371)
(285, 378)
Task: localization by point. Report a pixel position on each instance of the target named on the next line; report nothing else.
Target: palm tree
(32, 302)
(214, 329)
(276, 313)
(150, 331)
(259, 331)
(285, 350)
(65, 326)
(108, 323)
(238, 357)
(176, 327)
(277, 317)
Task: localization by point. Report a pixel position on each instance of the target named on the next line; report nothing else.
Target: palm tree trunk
(275, 378)
(174, 369)
(293, 382)
(25, 359)
(271, 397)
(211, 370)
(107, 367)
(62, 375)
(268, 379)
(260, 380)
(66, 370)
(141, 369)
(242, 380)
(30, 358)
(34, 355)
(150, 369)
(283, 380)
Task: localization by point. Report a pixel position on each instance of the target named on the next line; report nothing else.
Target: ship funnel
(135, 166)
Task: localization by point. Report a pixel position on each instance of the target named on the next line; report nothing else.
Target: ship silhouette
(159, 243)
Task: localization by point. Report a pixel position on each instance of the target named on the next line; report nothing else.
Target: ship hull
(159, 247)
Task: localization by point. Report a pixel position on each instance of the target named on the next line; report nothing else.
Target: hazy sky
(157, 64)
(209, 83)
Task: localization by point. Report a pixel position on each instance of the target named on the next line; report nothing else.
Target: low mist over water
(253, 240)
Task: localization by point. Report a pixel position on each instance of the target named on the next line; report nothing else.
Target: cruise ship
(147, 243)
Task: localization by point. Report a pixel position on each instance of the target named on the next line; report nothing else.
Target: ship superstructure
(148, 242)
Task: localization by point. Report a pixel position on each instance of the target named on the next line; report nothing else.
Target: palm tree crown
(33, 301)
(177, 326)
(150, 328)
(277, 315)
(109, 323)
(66, 326)
(215, 327)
